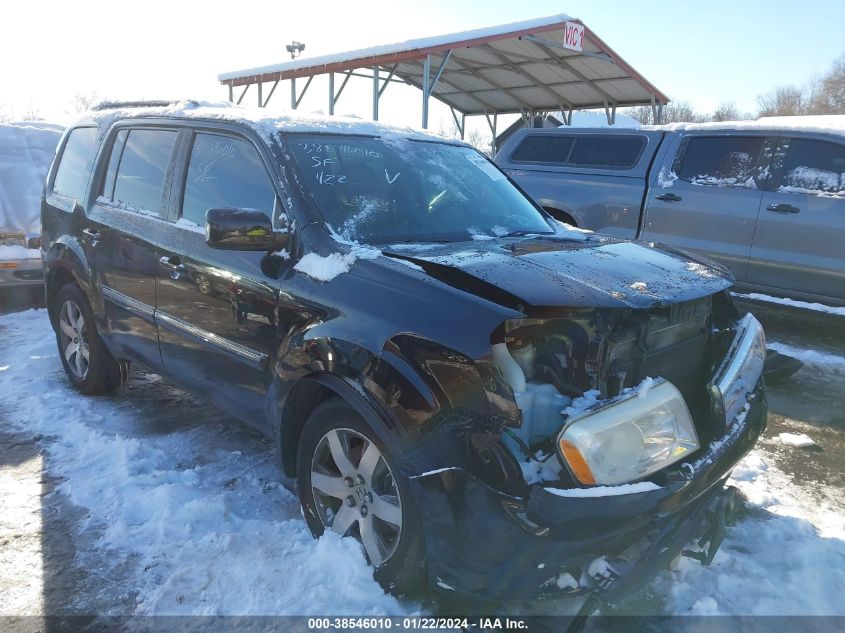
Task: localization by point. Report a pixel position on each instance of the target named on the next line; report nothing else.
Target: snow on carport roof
(512, 68)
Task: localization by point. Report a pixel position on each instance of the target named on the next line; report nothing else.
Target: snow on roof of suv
(264, 123)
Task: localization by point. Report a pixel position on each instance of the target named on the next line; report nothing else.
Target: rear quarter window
(724, 161)
(75, 163)
(590, 150)
(814, 167)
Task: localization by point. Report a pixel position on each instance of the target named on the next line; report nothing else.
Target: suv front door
(217, 309)
(707, 199)
(798, 246)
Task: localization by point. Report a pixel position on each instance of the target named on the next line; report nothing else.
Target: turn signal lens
(577, 463)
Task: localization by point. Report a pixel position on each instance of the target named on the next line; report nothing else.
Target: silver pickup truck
(765, 198)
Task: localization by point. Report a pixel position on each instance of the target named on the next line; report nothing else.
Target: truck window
(139, 178)
(597, 150)
(75, 163)
(725, 161)
(590, 150)
(543, 149)
(225, 172)
(816, 167)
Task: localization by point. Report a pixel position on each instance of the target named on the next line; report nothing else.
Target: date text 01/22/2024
(417, 623)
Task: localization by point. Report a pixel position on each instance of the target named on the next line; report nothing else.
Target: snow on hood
(26, 151)
(558, 272)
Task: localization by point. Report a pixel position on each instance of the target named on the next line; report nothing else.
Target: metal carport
(548, 64)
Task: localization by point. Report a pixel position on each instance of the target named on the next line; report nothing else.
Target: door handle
(669, 197)
(171, 262)
(782, 208)
(94, 234)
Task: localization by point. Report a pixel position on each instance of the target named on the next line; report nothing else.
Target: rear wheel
(87, 362)
(349, 484)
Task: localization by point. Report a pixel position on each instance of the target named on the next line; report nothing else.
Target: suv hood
(594, 271)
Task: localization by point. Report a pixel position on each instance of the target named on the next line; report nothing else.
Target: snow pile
(818, 307)
(798, 440)
(541, 467)
(26, 151)
(605, 491)
(328, 267)
(782, 557)
(190, 517)
(810, 356)
(17, 253)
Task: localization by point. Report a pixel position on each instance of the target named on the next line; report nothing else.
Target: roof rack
(111, 105)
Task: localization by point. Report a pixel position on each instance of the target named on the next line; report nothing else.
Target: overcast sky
(705, 53)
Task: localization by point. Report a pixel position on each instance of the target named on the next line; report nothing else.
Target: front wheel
(348, 483)
(87, 362)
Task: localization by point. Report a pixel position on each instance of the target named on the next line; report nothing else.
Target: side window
(140, 168)
(114, 161)
(725, 161)
(75, 163)
(613, 151)
(225, 172)
(543, 149)
(812, 166)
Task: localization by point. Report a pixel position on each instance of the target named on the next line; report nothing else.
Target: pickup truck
(764, 198)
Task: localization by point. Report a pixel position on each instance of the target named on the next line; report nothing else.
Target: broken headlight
(629, 438)
(740, 371)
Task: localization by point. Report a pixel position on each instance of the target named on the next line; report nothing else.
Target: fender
(66, 258)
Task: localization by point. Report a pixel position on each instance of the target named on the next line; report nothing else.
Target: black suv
(487, 399)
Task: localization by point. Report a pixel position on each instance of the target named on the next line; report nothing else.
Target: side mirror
(242, 230)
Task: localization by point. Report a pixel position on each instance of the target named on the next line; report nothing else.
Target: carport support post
(260, 97)
(492, 125)
(426, 90)
(231, 94)
(293, 93)
(331, 94)
(375, 93)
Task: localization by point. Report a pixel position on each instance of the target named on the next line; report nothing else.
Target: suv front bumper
(483, 542)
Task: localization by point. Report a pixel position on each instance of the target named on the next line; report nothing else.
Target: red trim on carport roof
(658, 96)
(387, 58)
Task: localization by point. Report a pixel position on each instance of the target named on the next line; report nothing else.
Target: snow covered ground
(169, 507)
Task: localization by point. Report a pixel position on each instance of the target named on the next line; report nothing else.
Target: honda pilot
(488, 400)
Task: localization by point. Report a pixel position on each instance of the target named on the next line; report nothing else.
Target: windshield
(381, 191)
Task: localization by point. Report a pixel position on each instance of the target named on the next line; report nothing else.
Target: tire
(76, 336)
(402, 567)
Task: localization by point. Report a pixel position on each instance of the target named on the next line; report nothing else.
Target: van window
(139, 179)
(725, 161)
(75, 163)
(225, 172)
(543, 149)
(590, 150)
(812, 166)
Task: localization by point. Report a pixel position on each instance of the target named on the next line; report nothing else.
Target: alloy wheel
(355, 492)
(73, 334)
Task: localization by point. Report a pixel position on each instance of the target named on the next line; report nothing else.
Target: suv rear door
(706, 199)
(798, 246)
(121, 232)
(217, 309)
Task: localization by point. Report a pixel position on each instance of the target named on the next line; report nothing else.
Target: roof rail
(110, 105)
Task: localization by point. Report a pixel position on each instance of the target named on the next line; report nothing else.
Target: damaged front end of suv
(566, 407)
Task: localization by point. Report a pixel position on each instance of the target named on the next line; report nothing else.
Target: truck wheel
(87, 362)
(348, 483)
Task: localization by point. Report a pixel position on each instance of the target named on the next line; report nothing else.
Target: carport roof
(513, 68)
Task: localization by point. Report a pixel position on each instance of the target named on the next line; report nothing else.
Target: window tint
(141, 168)
(543, 149)
(225, 172)
(75, 165)
(726, 161)
(607, 151)
(592, 150)
(814, 167)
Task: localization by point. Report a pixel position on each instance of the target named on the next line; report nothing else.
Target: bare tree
(643, 114)
(827, 94)
(32, 112)
(783, 101)
(727, 111)
(84, 101)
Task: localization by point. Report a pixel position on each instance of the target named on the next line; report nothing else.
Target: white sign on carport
(548, 64)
